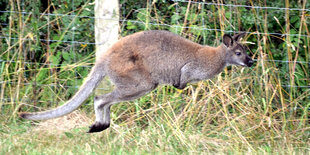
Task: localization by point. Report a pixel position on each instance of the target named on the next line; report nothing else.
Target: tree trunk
(106, 31)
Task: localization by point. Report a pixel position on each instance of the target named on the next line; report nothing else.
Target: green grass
(164, 139)
(166, 123)
(241, 111)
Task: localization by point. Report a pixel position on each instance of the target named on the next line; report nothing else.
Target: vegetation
(47, 49)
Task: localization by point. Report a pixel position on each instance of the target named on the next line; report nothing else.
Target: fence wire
(150, 23)
(202, 28)
(243, 6)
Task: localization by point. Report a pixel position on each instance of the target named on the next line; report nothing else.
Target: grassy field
(168, 121)
(156, 138)
(259, 110)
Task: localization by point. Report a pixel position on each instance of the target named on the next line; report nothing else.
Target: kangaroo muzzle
(249, 62)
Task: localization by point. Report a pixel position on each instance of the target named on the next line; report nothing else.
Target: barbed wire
(282, 61)
(183, 1)
(48, 85)
(46, 40)
(163, 24)
(49, 64)
(4, 24)
(202, 28)
(244, 6)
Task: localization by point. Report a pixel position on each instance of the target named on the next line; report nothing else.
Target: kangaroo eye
(238, 53)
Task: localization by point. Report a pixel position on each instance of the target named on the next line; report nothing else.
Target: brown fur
(136, 64)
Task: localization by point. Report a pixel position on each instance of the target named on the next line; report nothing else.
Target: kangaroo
(138, 63)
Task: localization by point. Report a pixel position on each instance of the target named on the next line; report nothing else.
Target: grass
(166, 123)
(157, 137)
(241, 111)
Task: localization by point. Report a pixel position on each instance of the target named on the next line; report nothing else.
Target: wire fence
(156, 24)
(243, 6)
(124, 20)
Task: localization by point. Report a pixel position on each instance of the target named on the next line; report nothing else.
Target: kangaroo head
(236, 52)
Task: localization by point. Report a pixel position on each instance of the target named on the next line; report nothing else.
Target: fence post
(106, 30)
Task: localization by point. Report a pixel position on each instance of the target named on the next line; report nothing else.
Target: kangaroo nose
(250, 63)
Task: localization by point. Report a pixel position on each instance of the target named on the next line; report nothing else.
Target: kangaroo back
(92, 81)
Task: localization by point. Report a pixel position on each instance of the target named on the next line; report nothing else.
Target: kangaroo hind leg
(104, 102)
(102, 105)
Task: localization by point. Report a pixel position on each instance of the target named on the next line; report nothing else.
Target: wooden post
(106, 30)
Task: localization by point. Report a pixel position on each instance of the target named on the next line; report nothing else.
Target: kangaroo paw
(98, 127)
(179, 86)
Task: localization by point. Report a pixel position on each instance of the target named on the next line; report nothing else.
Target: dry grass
(76, 119)
(241, 111)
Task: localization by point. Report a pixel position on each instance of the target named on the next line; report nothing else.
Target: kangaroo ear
(227, 40)
(238, 37)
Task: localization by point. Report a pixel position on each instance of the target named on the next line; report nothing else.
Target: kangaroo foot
(179, 86)
(98, 127)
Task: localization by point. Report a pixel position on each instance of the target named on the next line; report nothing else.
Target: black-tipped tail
(23, 115)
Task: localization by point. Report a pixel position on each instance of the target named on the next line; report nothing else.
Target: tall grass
(263, 109)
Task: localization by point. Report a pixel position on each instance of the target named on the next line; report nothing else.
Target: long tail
(92, 81)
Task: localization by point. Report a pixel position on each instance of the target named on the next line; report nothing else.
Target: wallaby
(136, 64)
